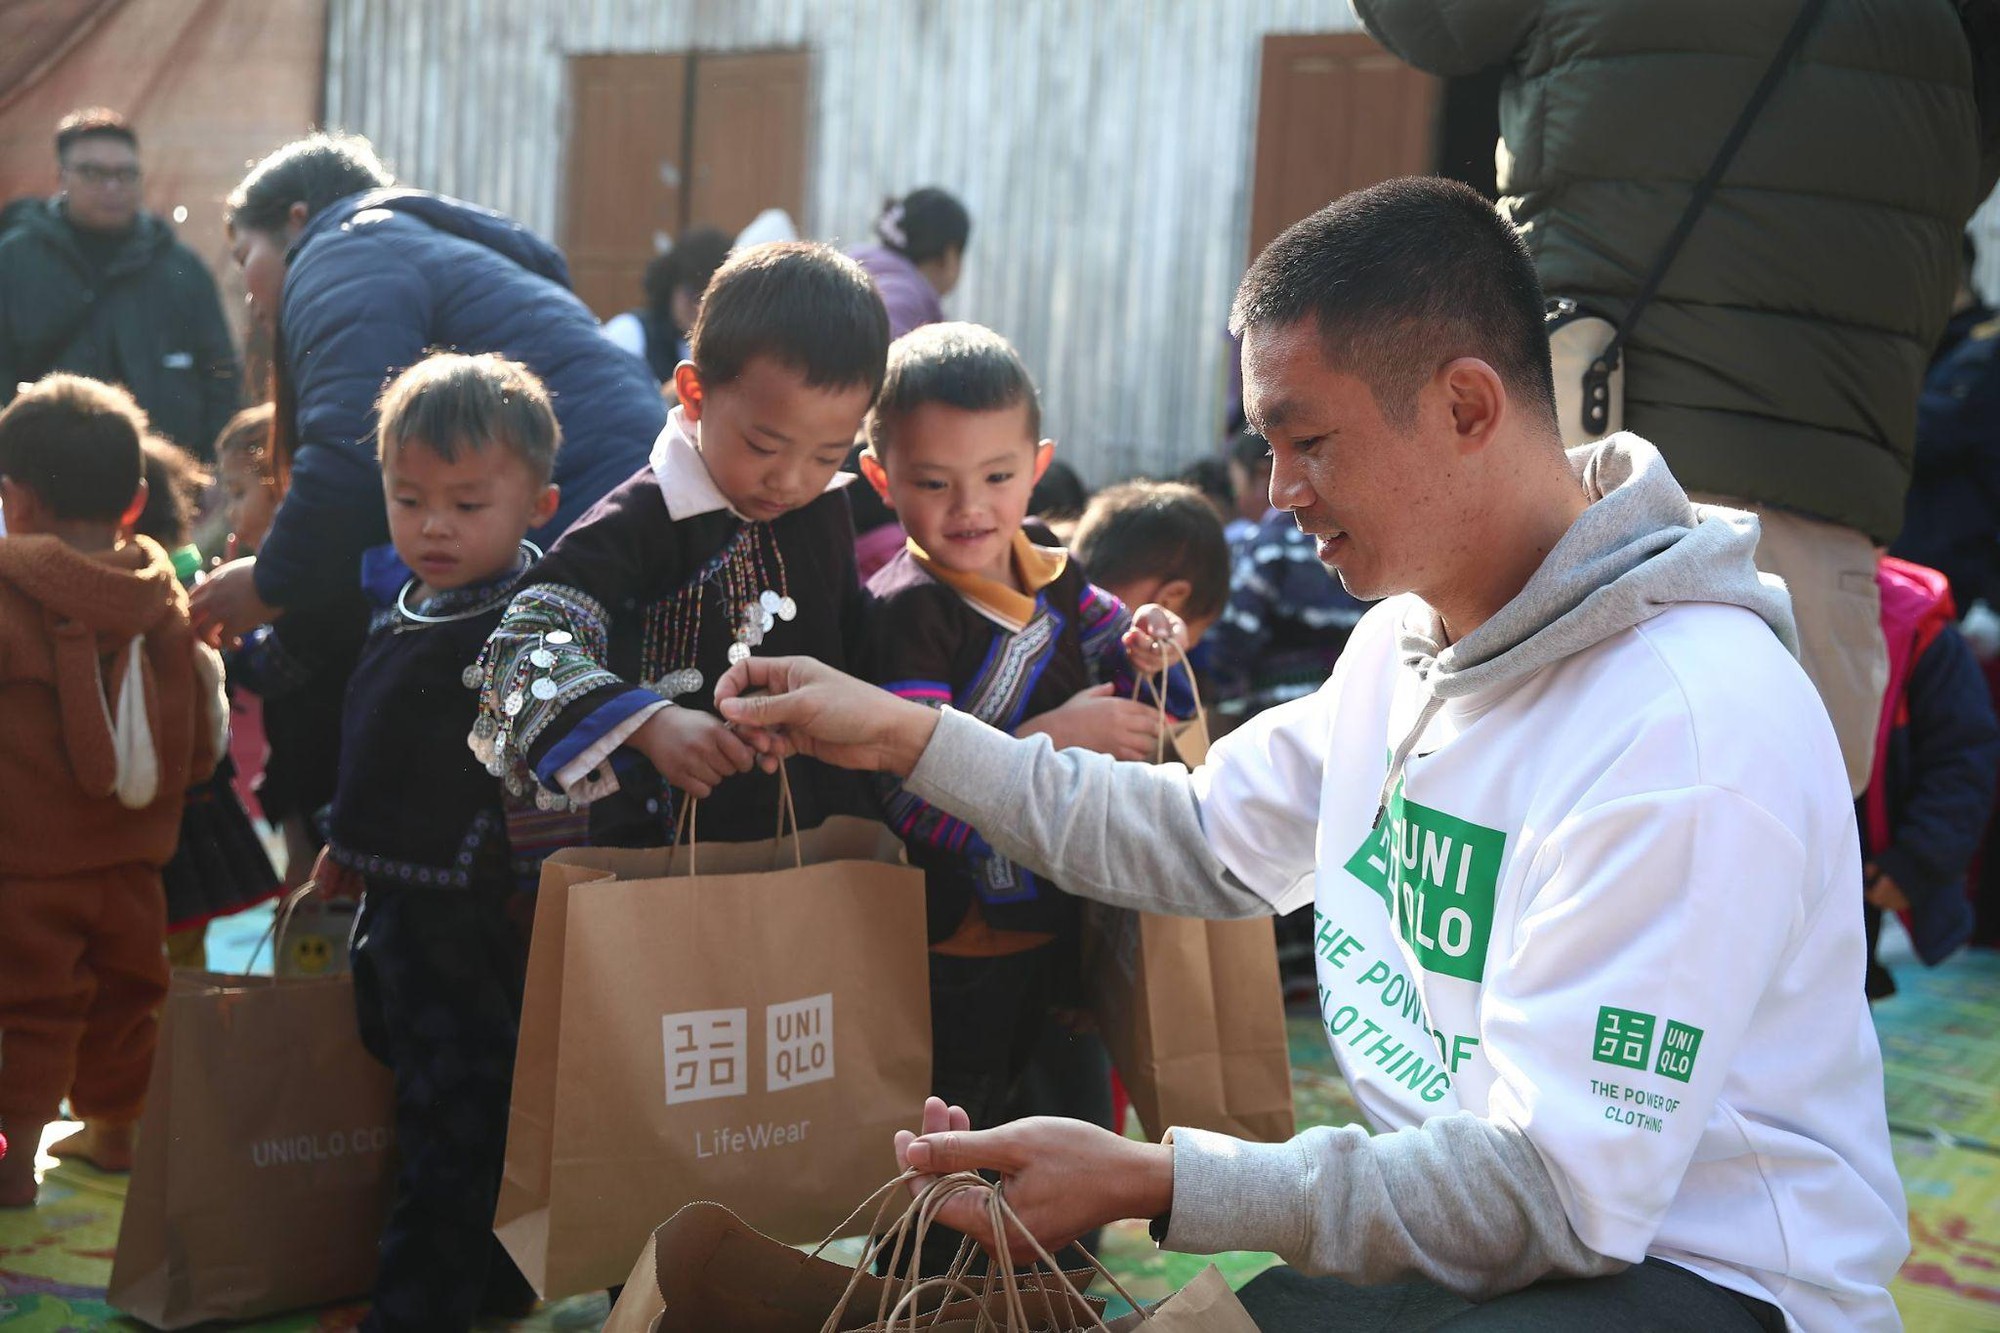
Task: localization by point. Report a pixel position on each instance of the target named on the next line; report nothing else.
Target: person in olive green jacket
(1779, 366)
(93, 285)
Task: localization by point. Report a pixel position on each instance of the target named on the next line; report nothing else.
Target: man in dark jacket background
(91, 283)
(1779, 366)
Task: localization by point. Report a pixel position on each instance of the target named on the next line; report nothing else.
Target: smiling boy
(977, 616)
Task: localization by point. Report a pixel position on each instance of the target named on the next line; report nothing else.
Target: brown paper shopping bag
(747, 1023)
(265, 1161)
(1192, 1011)
(705, 1268)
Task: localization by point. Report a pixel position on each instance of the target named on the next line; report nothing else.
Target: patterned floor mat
(1940, 1041)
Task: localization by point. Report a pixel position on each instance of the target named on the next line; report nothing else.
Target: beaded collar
(473, 599)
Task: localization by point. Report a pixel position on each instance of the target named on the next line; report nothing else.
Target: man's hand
(1882, 891)
(692, 750)
(226, 606)
(332, 880)
(1098, 719)
(797, 705)
(1063, 1178)
(1157, 638)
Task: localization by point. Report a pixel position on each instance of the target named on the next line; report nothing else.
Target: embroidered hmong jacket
(1004, 657)
(604, 610)
(414, 806)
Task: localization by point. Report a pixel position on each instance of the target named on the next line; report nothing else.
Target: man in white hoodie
(1573, 820)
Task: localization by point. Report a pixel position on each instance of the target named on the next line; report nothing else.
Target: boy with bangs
(1016, 635)
(467, 446)
(732, 539)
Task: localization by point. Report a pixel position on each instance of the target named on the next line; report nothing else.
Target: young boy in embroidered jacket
(733, 539)
(1574, 820)
(1013, 633)
(93, 626)
(467, 445)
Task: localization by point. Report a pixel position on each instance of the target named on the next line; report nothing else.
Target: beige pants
(1831, 573)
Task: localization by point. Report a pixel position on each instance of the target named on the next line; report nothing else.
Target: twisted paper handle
(915, 1224)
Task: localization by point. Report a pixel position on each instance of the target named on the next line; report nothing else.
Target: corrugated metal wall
(1102, 146)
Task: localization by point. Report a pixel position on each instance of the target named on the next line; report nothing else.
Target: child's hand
(1882, 891)
(1147, 643)
(693, 750)
(1098, 719)
(334, 881)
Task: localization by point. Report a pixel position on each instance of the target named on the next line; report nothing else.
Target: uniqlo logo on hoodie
(1438, 875)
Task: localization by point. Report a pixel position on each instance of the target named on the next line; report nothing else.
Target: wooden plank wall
(1103, 148)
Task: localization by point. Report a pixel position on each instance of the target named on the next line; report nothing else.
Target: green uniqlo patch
(1678, 1046)
(1437, 874)
(1624, 1037)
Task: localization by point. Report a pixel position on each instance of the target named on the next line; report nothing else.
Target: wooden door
(626, 164)
(1335, 112)
(748, 139)
(661, 143)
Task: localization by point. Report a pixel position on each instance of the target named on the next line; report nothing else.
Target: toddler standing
(109, 709)
(467, 446)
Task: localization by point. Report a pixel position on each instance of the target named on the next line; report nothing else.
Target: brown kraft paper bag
(753, 1033)
(706, 1269)
(265, 1163)
(1192, 1011)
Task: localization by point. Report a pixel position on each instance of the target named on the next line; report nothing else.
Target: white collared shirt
(684, 478)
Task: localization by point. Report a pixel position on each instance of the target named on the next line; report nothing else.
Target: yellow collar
(1035, 566)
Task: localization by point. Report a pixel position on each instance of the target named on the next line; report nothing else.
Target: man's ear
(878, 476)
(1045, 454)
(687, 387)
(130, 518)
(1477, 399)
(546, 505)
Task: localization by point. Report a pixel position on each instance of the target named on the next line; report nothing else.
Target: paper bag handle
(788, 815)
(915, 1224)
(281, 919)
(1160, 694)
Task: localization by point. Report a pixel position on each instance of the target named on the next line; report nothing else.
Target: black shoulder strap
(1704, 189)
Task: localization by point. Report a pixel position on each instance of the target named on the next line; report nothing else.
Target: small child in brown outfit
(108, 710)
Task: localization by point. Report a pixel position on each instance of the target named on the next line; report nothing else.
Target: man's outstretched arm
(1125, 834)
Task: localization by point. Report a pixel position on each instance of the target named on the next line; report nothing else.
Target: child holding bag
(467, 447)
(1015, 634)
(732, 539)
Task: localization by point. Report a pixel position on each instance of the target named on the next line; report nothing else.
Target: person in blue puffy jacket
(362, 278)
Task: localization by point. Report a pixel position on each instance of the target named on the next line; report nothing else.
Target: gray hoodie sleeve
(1462, 1201)
(1052, 811)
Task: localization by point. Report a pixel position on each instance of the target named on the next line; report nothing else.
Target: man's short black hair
(93, 122)
(803, 304)
(966, 366)
(1161, 530)
(74, 442)
(1401, 278)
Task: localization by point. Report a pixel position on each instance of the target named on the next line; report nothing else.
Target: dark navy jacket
(374, 281)
(1939, 766)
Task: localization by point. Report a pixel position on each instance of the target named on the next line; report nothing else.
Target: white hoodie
(1605, 937)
